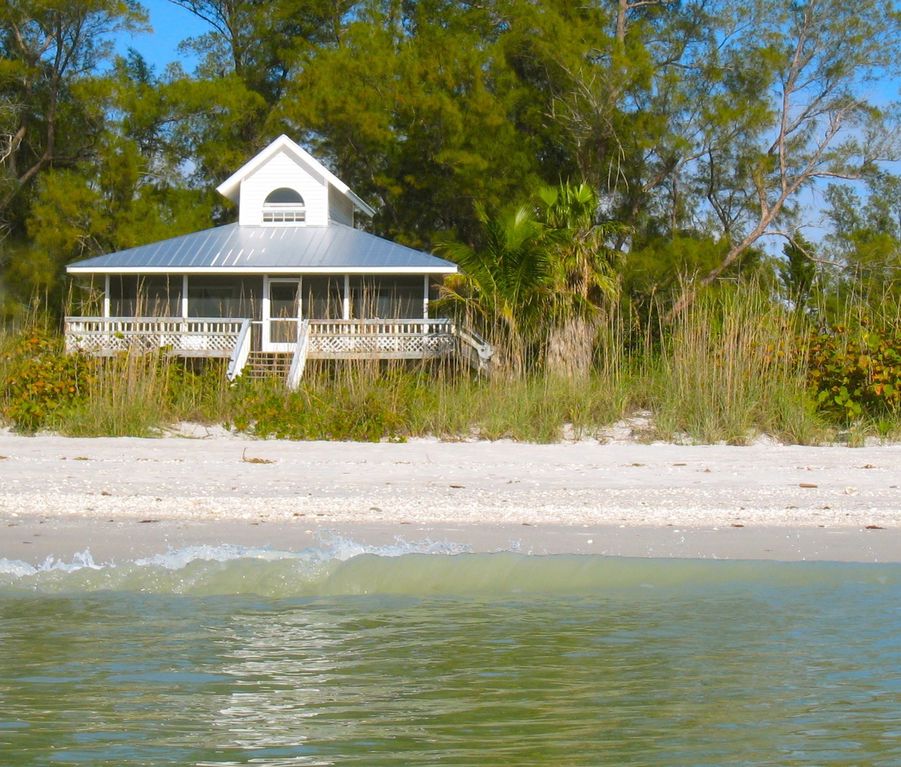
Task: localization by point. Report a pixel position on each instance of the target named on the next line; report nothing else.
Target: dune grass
(734, 366)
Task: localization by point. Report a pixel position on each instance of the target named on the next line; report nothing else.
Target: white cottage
(293, 279)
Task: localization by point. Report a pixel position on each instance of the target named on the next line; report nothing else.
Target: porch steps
(261, 365)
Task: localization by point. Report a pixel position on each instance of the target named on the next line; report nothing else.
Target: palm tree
(503, 282)
(540, 280)
(583, 274)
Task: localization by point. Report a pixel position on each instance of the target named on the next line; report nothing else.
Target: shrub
(856, 372)
(41, 383)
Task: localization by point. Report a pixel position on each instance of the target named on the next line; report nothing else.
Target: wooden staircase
(262, 365)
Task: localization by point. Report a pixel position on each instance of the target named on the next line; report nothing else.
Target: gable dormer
(285, 186)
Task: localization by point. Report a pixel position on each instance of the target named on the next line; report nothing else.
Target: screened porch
(241, 317)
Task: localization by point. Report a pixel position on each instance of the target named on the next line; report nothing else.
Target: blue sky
(171, 24)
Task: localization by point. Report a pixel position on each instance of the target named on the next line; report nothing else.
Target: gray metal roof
(234, 249)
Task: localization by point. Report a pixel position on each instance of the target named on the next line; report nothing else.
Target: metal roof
(235, 249)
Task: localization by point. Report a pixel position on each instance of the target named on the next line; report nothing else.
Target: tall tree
(865, 241)
(416, 110)
(48, 51)
(818, 57)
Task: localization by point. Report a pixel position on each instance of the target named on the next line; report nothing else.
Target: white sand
(215, 481)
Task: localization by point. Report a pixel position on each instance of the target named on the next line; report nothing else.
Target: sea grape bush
(856, 372)
(41, 383)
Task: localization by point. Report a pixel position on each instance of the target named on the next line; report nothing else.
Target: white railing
(240, 353)
(191, 337)
(385, 339)
(299, 358)
(233, 339)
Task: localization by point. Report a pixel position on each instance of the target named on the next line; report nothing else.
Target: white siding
(341, 209)
(283, 170)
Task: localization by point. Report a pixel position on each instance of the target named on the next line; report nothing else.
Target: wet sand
(122, 498)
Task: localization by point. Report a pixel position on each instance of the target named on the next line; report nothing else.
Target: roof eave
(261, 270)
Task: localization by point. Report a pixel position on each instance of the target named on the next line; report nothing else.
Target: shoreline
(129, 497)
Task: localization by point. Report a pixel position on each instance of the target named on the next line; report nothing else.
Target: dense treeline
(597, 168)
(699, 127)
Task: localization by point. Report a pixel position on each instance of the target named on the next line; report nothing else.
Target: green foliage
(798, 271)
(538, 279)
(855, 373)
(342, 410)
(41, 384)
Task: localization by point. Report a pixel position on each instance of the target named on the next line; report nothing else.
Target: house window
(284, 206)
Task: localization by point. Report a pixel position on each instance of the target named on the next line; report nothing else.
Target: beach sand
(122, 498)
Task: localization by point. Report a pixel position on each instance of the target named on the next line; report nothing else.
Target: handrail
(482, 348)
(240, 353)
(299, 358)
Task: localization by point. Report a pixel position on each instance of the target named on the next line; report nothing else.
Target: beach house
(293, 279)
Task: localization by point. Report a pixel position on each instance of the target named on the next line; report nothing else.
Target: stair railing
(474, 349)
(240, 353)
(299, 359)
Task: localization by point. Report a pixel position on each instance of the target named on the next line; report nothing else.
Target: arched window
(284, 206)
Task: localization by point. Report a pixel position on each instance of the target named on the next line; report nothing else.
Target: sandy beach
(125, 497)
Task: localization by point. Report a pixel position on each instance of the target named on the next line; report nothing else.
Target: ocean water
(427, 655)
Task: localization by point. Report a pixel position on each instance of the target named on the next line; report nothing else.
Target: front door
(281, 314)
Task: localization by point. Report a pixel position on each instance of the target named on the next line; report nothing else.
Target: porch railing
(386, 339)
(233, 339)
(191, 337)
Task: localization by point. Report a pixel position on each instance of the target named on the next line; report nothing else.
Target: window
(284, 206)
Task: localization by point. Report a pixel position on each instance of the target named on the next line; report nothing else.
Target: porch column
(425, 296)
(264, 313)
(106, 302)
(184, 296)
(345, 310)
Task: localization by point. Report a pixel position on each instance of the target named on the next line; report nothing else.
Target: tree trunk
(570, 348)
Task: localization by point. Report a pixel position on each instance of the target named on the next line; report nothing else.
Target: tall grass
(369, 402)
(733, 366)
(134, 395)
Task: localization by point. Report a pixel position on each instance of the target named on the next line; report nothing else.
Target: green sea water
(427, 656)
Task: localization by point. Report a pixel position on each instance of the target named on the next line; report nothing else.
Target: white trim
(106, 297)
(285, 270)
(184, 296)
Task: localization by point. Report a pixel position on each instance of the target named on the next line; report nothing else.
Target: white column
(345, 310)
(264, 306)
(425, 296)
(184, 296)
(106, 296)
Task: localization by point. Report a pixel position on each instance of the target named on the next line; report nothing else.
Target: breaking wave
(340, 566)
